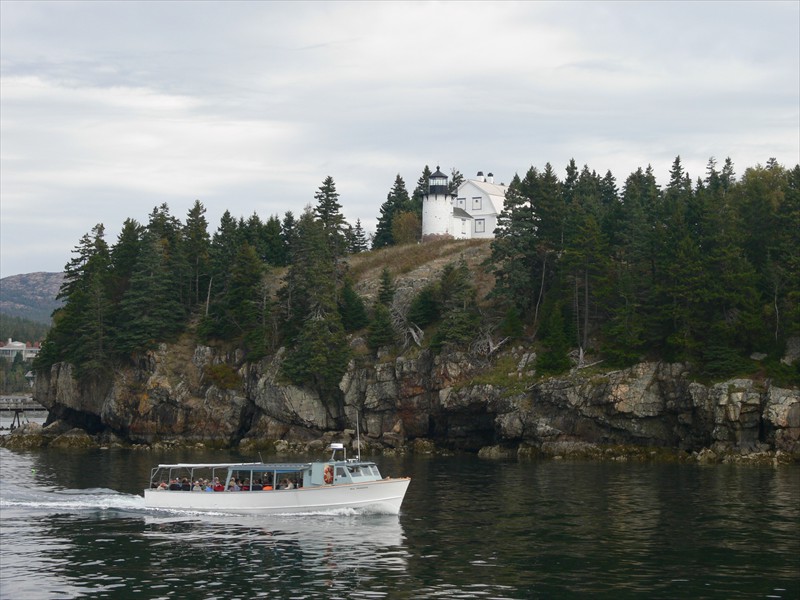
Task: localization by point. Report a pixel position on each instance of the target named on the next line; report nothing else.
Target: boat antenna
(259, 457)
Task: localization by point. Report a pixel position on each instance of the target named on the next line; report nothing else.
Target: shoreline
(32, 436)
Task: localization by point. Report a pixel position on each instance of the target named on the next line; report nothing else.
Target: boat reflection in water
(327, 549)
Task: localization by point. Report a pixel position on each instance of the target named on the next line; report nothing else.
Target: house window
(461, 202)
(476, 202)
(480, 225)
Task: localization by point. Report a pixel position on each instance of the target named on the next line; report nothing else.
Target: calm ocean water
(72, 525)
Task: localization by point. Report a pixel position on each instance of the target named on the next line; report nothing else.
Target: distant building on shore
(9, 350)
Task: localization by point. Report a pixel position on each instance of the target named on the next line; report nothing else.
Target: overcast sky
(108, 109)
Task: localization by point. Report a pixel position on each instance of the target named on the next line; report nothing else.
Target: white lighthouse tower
(437, 208)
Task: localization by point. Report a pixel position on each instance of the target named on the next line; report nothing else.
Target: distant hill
(31, 295)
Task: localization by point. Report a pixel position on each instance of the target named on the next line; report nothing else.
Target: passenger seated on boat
(246, 485)
(218, 487)
(233, 486)
(174, 485)
(185, 485)
(257, 486)
(196, 487)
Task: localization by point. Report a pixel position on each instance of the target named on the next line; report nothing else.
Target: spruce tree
(380, 331)
(397, 201)
(197, 244)
(328, 212)
(351, 308)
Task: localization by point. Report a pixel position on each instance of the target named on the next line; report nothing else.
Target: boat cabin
(261, 477)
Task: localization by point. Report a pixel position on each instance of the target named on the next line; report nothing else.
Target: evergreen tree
(311, 280)
(424, 309)
(387, 289)
(150, 310)
(357, 239)
(420, 192)
(553, 359)
(124, 255)
(247, 303)
(380, 332)
(328, 211)
(456, 179)
(274, 245)
(318, 351)
(288, 235)
(397, 201)
(319, 356)
(351, 308)
(81, 326)
(197, 244)
(460, 316)
(520, 257)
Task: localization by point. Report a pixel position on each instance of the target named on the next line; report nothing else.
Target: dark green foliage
(424, 309)
(197, 247)
(150, 311)
(456, 179)
(248, 308)
(460, 317)
(511, 325)
(457, 329)
(22, 330)
(386, 292)
(553, 359)
(705, 273)
(81, 328)
(12, 375)
(351, 308)
(275, 250)
(319, 354)
(356, 239)
(420, 191)
(328, 212)
(380, 331)
(318, 351)
(310, 284)
(397, 201)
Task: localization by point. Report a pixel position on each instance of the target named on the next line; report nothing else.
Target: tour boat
(273, 488)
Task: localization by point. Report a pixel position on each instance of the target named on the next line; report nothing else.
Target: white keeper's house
(468, 214)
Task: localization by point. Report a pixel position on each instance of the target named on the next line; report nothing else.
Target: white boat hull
(384, 496)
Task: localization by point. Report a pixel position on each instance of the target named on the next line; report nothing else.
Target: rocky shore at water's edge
(421, 403)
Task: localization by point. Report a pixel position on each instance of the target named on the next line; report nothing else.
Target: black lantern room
(437, 184)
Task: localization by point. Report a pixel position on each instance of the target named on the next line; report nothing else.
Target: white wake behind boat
(274, 488)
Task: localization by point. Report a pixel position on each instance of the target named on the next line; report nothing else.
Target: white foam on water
(70, 500)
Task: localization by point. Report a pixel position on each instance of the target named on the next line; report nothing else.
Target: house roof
(461, 213)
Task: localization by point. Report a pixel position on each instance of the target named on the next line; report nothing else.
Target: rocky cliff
(421, 400)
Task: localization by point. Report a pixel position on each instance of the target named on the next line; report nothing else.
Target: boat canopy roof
(240, 466)
(259, 466)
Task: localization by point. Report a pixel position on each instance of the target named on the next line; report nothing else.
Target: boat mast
(358, 438)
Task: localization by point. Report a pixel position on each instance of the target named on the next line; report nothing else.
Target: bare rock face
(192, 393)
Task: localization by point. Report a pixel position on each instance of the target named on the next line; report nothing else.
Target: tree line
(705, 271)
